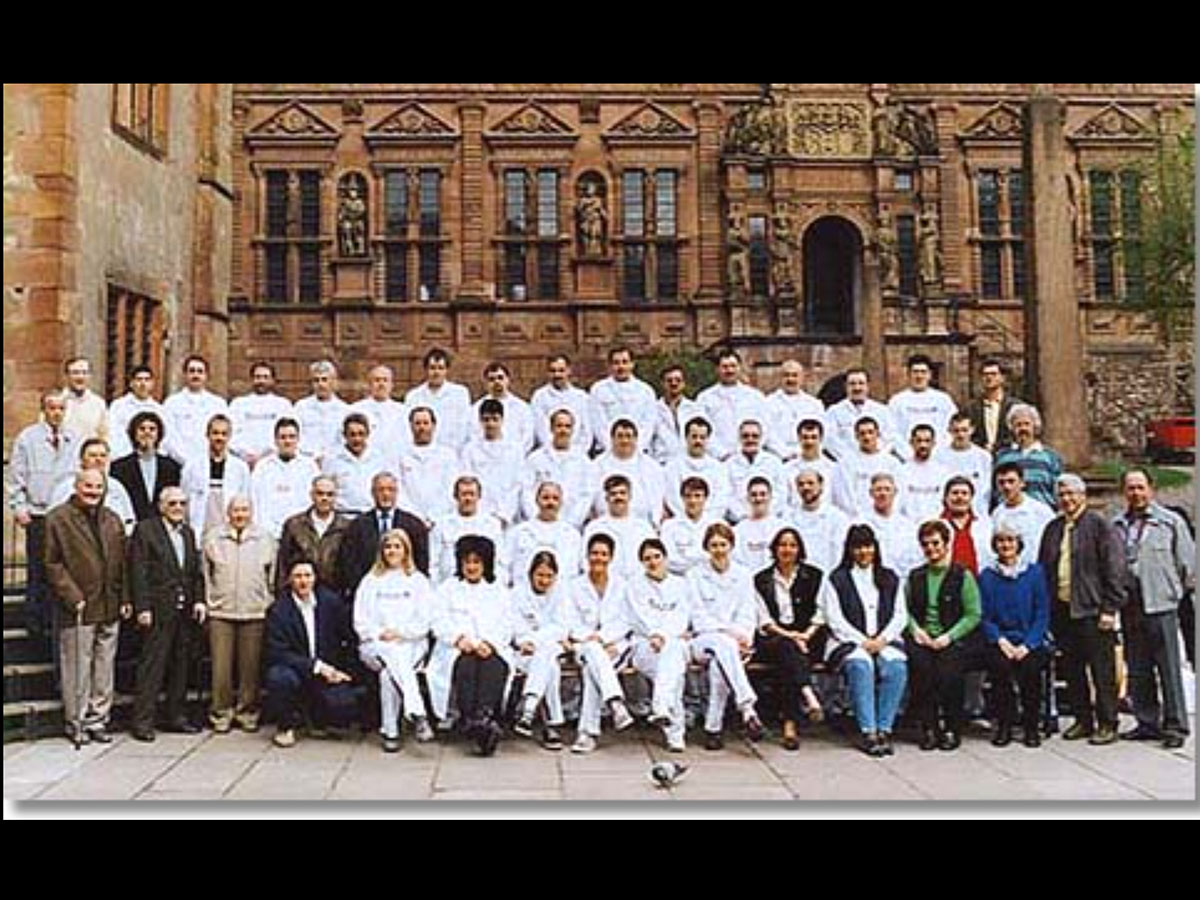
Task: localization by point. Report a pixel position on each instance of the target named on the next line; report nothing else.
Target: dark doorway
(832, 277)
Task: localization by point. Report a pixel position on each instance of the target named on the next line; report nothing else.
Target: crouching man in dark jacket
(310, 655)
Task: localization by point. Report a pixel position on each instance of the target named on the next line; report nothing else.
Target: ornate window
(906, 254)
(139, 114)
(760, 257)
(529, 255)
(412, 235)
(1116, 229)
(1000, 221)
(650, 235)
(292, 249)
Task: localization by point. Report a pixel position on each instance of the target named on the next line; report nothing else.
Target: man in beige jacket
(239, 569)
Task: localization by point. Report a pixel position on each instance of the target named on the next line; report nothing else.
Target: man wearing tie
(167, 578)
(360, 546)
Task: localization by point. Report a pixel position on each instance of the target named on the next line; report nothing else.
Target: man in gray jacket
(1161, 556)
(1085, 572)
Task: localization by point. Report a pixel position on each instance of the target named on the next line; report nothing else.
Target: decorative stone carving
(352, 109)
(824, 129)
(737, 249)
(411, 121)
(886, 249)
(591, 215)
(930, 251)
(757, 130)
(532, 119)
(1003, 122)
(352, 216)
(1114, 123)
(783, 250)
(649, 121)
(294, 121)
(900, 130)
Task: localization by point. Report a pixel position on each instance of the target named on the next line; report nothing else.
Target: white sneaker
(524, 726)
(584, 744)
(675, 741)
(622, 718)
(284, 738)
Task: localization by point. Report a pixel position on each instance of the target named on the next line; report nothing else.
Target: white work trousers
(397, 666)
(726, 675)
(543, 680)
(667, 669)
(601, 683)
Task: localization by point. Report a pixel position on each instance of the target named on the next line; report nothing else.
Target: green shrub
(700, 370)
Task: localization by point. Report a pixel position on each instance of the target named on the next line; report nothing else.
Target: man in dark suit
(167, 579)
(145, 472)
(310, 649)
(360, 546)
(989, 412)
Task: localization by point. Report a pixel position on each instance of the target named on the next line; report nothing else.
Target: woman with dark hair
(472, 659)
(866, 620)
(659, 606)
(538, 609)
(791, 631)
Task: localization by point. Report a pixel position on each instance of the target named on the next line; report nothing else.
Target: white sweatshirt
(397, 602)
(662, 608)
(723, 601)
(254, 419)
(281, 489)
(726, 408)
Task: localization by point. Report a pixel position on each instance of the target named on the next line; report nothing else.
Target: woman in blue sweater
(1016, 614)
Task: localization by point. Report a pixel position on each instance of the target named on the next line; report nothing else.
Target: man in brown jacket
(315, 534)
(85, 569)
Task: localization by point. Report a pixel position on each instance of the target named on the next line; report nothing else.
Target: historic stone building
(117, 212)
(837, 223)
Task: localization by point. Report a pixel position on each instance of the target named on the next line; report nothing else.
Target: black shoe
(1105, 735)
(930, 739)
(885, 743)
(552, 738)
(950, 741)
(489, 738)
(1078, 732)
(99, 736)
(391, 744)
(145, 735)
(1142, 733)
(1032, 739)
(1003, 736)
(869, 744)
(182, 726)
(713, 741)
(1173, 740)
(754, 729)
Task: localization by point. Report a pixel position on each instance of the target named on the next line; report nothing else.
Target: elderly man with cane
(85, 568)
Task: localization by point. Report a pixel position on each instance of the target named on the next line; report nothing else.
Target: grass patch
(1165, 479)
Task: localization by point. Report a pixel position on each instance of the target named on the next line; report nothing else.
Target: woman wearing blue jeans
(866, 620)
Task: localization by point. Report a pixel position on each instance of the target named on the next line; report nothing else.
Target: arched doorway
(832, 277)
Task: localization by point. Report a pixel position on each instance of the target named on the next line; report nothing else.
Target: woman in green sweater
(944, 612)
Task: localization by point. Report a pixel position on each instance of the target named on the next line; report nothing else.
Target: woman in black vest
(944, 614)
(793, 630)
(866, 620)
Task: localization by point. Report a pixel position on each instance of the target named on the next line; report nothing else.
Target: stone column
(1054, 344)
(874, 353)
(473, 175)
(708, 114)
(952, 202)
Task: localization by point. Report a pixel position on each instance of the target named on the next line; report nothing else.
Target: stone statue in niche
(886, 244)
(352, 218)
(738, 252)
(757, 130)
(904, 131)
(883, 129)
(930, 251)
(783, 247)
(591, 216)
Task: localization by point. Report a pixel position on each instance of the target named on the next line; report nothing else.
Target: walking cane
(77, 737)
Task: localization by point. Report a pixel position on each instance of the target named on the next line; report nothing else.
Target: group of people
(327, 549)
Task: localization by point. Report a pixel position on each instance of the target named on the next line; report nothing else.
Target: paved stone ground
(247, 767)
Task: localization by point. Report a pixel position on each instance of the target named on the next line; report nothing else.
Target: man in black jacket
(309, 657)
(1085, 573)
(360, 546)
(145, 472)
(167, 579)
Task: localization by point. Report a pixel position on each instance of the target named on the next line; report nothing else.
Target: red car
(1170, 440)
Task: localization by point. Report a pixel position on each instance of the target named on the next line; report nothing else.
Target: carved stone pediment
(293, 122)
(411, 122)
(532, 120)
(649, 121)
(1003, 122)
(1113, 123)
